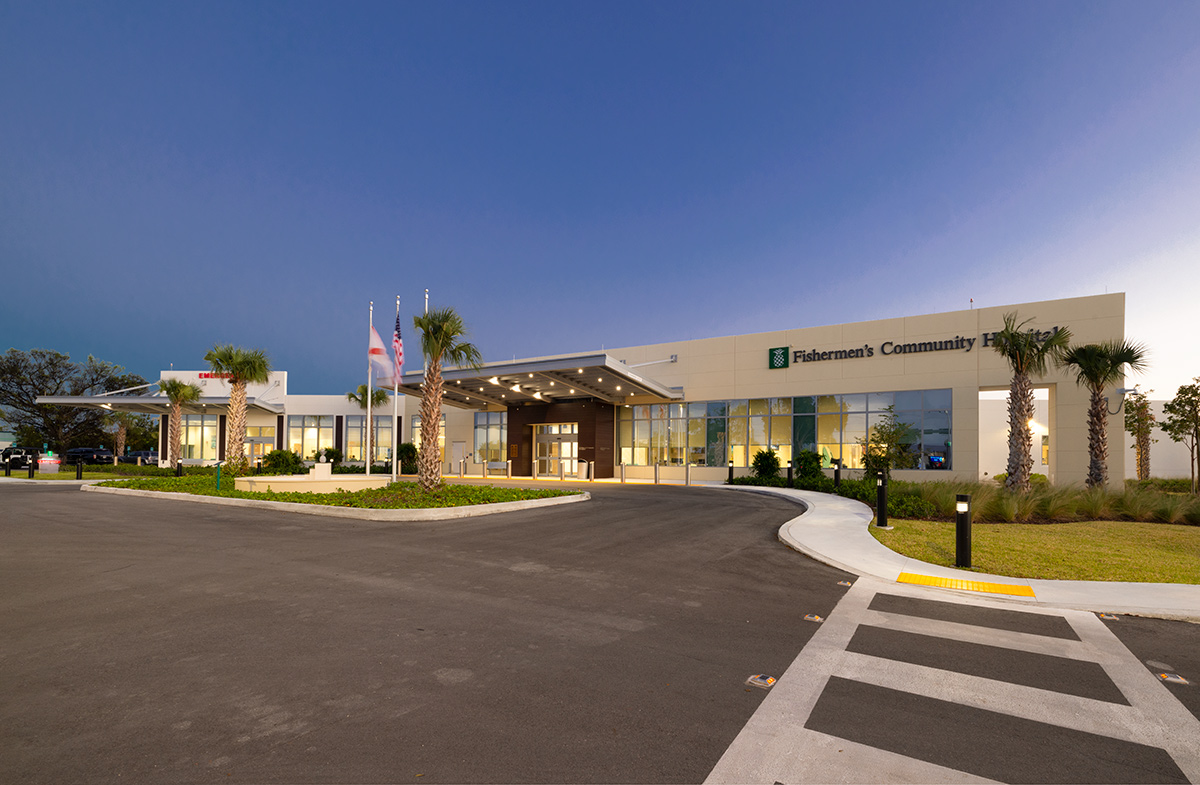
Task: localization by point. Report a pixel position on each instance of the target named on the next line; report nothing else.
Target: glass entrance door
(556, 445)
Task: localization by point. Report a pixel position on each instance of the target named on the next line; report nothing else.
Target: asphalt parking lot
(608, 641)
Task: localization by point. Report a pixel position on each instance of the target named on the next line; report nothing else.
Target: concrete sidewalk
(835, 530)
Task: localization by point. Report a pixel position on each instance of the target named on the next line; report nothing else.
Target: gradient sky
(572, 175)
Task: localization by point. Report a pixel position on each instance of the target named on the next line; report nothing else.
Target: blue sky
(572, 175)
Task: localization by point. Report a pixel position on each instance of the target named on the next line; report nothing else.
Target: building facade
(698, 407)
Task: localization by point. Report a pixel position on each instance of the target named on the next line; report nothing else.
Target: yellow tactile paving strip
(955, 583)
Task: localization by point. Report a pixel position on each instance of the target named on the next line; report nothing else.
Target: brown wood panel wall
(596, 434)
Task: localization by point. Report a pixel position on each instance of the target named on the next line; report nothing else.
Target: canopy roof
(154, 404)
(569, 377)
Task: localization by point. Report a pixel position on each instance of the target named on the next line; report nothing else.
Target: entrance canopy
(570, 377)
(154, 404)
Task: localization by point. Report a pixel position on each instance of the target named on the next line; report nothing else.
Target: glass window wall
(834, 426)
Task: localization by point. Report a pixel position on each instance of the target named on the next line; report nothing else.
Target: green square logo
(777, 358)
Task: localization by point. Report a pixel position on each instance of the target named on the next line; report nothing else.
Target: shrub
(332, 455)
(765, 464)
(407, 453)
(909, 506)
(863, 490)
(283, 462)
(1171, 508)
(1162, 484)
(1034, 479)
(766, 482)
(1093, 504)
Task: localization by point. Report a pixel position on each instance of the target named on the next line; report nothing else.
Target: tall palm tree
(442, 333)
(1097, 366)
(1028, 357)
(239, 367)
(379, 399)
(178, 392)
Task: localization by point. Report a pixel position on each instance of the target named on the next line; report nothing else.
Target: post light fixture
(731, 470)
(962, 530)
(881, 512)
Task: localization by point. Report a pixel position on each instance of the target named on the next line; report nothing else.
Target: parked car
(149, 457)
(88, 455)
(18, 457)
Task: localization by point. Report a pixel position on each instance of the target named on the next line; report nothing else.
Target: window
(709, 433)
(491, 437)
(200, 436)
(381, 437)
(309, 433)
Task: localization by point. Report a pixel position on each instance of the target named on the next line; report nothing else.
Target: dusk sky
(572, 175)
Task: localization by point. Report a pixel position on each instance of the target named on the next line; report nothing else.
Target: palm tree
(442, 333)
(1028, 357)
(379, 398)
(178, 392)
(1097, 366)
(239, 367)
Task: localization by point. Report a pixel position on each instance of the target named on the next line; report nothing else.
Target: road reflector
(813, 617)
(1109, 617)
(1174, 678)
(845, 583)
(761, 680)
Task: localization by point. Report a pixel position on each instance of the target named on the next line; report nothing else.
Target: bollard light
(881, 514)
(962, 530)
(731, 470)
(790, 474)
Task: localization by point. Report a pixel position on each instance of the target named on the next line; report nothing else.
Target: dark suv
(88, 455)
(17, 457)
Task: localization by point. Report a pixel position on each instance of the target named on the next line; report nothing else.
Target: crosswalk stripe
(775, 745)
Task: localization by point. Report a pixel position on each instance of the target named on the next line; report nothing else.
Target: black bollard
(179, 468)
(731, 471)
(837, 474)
(79, 469)
(789, 474)
(881, 501)
(32, 466)
(8, 468)
(962, 530)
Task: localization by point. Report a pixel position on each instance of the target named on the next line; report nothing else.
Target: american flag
(398, 349)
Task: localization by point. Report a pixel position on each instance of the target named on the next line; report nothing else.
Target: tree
(178, 392)
(1139, 422)
(26, 375)
(1098, 366)
(379, 397)
(891, 444)
(1028, 353)
(240, 367)
(442, 333)
(1182, 423)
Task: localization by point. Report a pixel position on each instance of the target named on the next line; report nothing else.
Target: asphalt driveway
(607, 641)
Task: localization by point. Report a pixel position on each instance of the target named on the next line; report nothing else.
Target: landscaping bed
(396, 496)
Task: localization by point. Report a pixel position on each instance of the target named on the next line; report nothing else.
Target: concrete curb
(835, 531)
(356, 513)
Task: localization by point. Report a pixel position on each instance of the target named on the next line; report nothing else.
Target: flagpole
(370, 372)
(396, 409)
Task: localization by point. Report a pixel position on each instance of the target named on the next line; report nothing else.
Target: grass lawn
(1083, 551)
